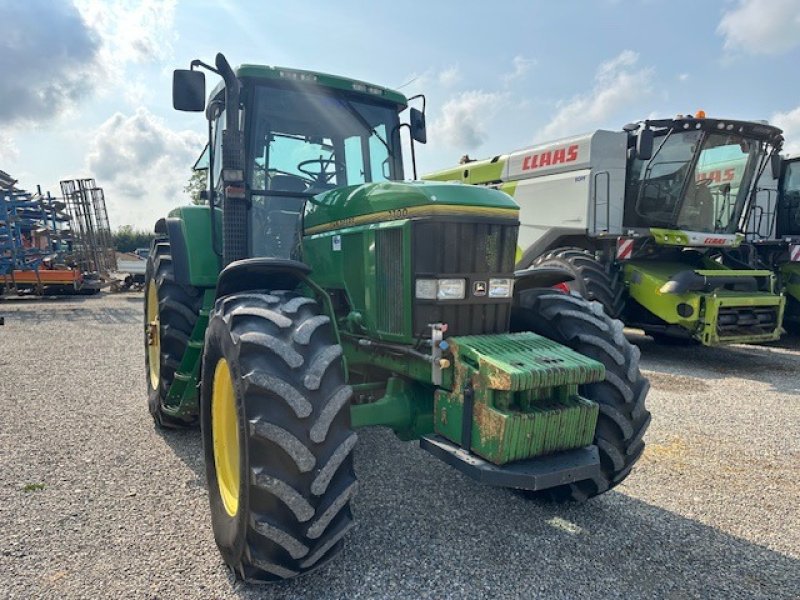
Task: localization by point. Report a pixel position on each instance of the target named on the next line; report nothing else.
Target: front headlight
(451, 289)
(426, 289)
(501, 288)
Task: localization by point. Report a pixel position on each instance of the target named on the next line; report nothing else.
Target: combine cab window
(696, 182)
(789, 206)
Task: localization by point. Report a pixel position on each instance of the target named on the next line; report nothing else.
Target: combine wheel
(170, 312)
(583, 326)
(276, 435)
(592, 279)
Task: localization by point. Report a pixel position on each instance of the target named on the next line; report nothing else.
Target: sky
(85, 85)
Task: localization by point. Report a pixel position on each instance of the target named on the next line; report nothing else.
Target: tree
(196, 184)
(128, 239)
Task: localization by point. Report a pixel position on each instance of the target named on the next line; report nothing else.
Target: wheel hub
(225, 436)
(153, 336)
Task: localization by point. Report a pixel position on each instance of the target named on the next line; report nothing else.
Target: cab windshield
(303, 143)
(696, 181)
(313, 142)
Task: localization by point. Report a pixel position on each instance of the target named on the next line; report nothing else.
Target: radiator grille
(389, 280)
(475, 250)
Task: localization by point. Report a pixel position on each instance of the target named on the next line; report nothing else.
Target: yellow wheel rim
(153, 333)
(225, 435)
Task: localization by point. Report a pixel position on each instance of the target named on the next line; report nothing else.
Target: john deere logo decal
(479, 288)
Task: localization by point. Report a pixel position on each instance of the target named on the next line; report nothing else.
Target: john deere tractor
(649, 221)
(317, 293)
(774, 233)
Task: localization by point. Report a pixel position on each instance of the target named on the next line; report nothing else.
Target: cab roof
(317, 78)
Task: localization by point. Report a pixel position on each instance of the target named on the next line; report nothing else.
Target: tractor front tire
(170, 313)
(623, 419)
(275, 421)
(592, 279)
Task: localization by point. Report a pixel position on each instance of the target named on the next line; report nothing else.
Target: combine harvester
(649, 221)
(774, 231)
(319, 292)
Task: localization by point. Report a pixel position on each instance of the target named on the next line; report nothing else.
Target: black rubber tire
(792, 308)
(593, 280)
(178, 307)
(296, 443)
(584, 327)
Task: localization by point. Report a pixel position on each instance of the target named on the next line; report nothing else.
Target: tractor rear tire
(286, 508)
(592, 279)
(177, 312)
(623, 419)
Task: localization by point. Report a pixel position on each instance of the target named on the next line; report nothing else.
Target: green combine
(649, 221)
(317, 292)
(774, 233)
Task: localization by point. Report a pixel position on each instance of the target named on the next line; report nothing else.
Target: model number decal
(397, 213)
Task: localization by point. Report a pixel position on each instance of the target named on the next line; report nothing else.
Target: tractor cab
(301, 134)
(697, 174)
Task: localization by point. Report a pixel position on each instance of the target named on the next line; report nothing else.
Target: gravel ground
(94, 502)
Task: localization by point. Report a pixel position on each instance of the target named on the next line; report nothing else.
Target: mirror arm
(200, 63)
(413, 151)
(424, 101)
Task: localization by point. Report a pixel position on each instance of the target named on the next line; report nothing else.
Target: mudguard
(540, 277)
(261, 273)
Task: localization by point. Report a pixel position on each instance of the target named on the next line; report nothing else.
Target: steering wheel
(273, 172)
(322, 176)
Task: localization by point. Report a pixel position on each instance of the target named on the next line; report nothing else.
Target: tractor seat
(287, 183)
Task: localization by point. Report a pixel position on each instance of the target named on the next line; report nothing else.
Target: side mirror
(416, 121)
(188, 90)
(644, 144)
(775, 164)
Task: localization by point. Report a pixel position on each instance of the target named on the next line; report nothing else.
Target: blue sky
(86, 90)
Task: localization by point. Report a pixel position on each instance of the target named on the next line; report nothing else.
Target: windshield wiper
(364, 123)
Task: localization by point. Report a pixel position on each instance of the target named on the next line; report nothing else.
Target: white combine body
(571, 185)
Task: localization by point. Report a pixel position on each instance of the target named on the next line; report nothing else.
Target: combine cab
(648, 221)
(774, 232)
(318, 292)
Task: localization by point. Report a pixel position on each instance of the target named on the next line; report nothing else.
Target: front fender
(540, 277)
(261, 274)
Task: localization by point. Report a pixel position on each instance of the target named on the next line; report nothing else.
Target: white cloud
(761, 26)
(790, 123)
(462, 122)
(8, 149)
(683, 77)
(143, 166)
(520, 66)
(449, 76)
(47, 60)
(618, 83)
(58, 52)
(132, 31)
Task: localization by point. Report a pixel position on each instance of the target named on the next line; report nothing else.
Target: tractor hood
(392, 200)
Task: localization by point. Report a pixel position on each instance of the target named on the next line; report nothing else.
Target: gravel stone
(95, 502)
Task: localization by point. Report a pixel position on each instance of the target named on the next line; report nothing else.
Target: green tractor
(317, 292)
(649, 221)
(774, 233)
